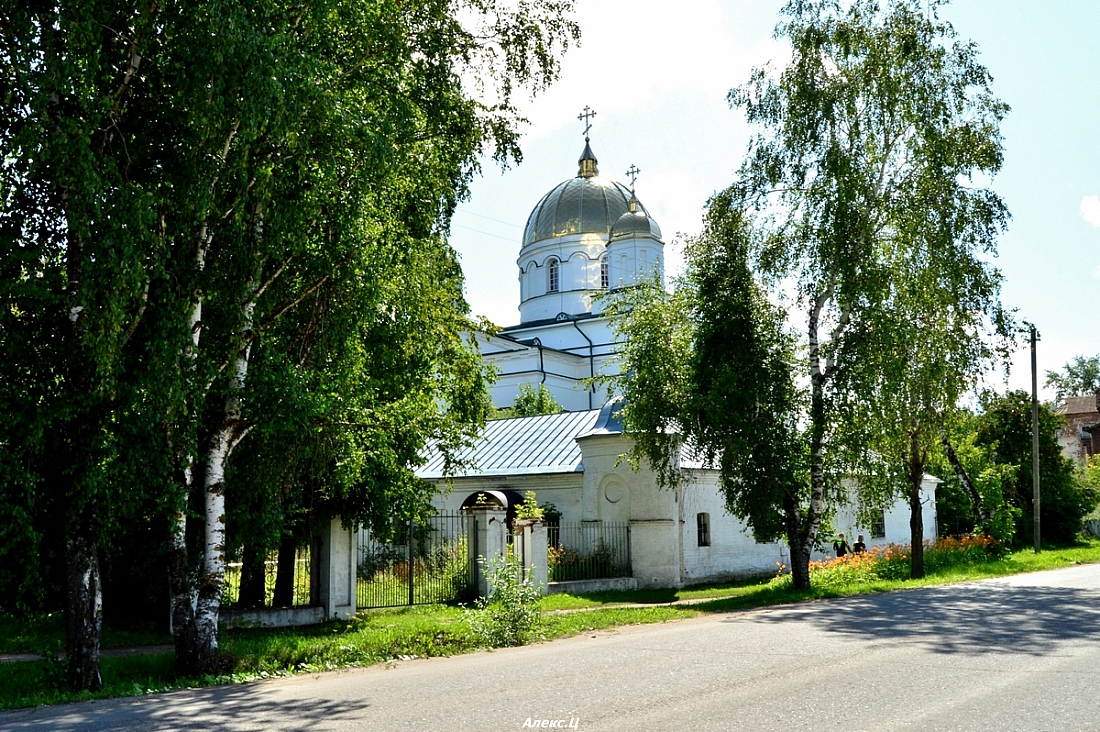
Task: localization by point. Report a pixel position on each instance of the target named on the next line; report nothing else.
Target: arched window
(553, 273)
(605, 277)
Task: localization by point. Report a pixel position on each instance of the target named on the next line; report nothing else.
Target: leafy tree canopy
(532, 401)
(1004, 429)
(1079, 377)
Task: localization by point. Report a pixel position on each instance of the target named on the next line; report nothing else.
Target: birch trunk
(83, 595)
(808, 534)
(796, 541)
(184, 631)
(964, 480)
(916, 515)
(184, 634)
(84, 614)
(226, 437)
(213, 578)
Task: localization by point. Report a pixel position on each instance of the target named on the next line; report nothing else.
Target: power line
(490, 218)
(486, 233)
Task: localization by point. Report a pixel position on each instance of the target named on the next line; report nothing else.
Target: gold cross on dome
(587, 116)
(633, 175)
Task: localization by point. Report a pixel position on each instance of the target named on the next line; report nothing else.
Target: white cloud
(1090, 209)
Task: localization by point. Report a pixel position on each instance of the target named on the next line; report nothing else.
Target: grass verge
(380, 636)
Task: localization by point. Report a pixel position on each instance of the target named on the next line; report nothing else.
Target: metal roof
(523, 446)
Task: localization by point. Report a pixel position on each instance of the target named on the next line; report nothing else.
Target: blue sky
(657, 74)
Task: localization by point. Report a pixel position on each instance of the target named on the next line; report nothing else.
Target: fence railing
(419, 564)
(300, 595)
(588, 550)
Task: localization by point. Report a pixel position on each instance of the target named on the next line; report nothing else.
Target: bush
(510, 614)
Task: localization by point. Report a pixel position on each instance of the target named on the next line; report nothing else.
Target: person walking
(840, 546)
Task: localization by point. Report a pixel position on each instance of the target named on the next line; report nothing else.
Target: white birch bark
(226, 437)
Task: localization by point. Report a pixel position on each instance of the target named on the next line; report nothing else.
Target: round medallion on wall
(613, 493)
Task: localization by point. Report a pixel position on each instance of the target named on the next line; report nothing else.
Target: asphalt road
(1019, 653)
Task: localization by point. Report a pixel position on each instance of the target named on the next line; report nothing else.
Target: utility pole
(1035, 439)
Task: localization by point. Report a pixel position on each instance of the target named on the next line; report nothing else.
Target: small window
(605, 278)
(702, 525)
(553, 275)
(878, 526)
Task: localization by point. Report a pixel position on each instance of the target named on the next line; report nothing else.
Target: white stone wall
(634, 260)
(732, 552)
(664, 540)
(615, 492)
(564, 362)
(896, 519)
(578, 256)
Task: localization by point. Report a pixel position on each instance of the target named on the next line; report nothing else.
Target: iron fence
(588, 550)
(419, 564)
(231, 590)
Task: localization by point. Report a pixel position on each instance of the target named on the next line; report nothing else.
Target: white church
(587, 235)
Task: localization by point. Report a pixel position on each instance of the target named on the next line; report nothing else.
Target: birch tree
(874, 142)
(180, 178)
(708, 369)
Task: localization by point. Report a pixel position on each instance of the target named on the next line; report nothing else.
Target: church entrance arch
(505, 498)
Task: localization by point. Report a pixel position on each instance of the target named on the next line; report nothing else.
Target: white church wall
(895, 520)
(733, 552)
(575, 254)
(615, 492)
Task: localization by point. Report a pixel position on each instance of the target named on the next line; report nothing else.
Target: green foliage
(529, 508)
(510, 614)
(709, 368)
(169, 214)
(955, 509)
(861, 184)
(531, 402)
(550, 512)
(1079, 377)
(1004, 429)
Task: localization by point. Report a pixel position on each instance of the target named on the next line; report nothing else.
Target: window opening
(553, 275)
(702, 525)
(878, 526)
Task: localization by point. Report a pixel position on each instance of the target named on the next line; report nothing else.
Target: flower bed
(891, 562)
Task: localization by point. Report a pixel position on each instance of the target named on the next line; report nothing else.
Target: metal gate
(421, 564)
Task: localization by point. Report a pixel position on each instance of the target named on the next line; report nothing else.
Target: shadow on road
(244, 706)
(970, 619)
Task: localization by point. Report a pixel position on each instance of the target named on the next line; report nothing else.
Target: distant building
(1075, 437)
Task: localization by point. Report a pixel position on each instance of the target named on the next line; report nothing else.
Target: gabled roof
(523, 446)
(1078, 405)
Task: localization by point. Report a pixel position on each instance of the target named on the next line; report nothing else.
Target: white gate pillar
(529, 547)
(488, 542)
(338, 561)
